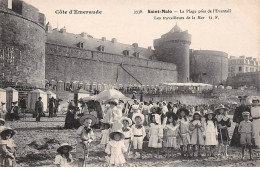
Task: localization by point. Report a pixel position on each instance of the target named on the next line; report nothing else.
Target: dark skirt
(225, 136)
(235, 141)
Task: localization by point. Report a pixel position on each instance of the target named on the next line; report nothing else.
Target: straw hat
(186, 111)
(245, 113)
(210, 112)
(2, 120)
(112, 135)
(255, 98)
(63, 146)
(126, 119)
(242, 97)
(8, 130)
(154, 107)
(88, 116)
(138, 115)
(196, 113)
(171, 114)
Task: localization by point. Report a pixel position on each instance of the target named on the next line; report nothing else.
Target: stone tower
(22, 43)
(173, 47)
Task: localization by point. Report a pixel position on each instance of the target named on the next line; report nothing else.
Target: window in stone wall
(80, 45)
(101, 48)
(239, 69)
(137, 54)
(246, 69)
(126, 52)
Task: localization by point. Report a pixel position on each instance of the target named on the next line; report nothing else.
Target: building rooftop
(86, 41)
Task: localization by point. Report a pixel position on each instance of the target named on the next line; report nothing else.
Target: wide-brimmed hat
(63, 146)
(186, 111)
(2, 103)
(39, 97)
(242, 97)
(245, 113)
(138, 115)
(196, 113)
(135, 107)
(2, 120)
(154, 107)
(135, 92)
(88, 116)
(126, 119)
(255, 98)
(8, 130)
(14, 102)
(220, 107)
(171, 114)
(112, 135)
(210, 112)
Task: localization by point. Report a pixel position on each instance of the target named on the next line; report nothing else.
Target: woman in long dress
(255, 113)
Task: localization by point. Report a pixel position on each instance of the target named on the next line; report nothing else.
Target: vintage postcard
(133, 83)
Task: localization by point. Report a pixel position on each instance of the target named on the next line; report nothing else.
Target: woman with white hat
(255, 113)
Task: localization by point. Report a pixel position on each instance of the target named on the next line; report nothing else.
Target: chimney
(83, 34)
(48, 27)
(135, 45)
(63, 30)
(114, 40)
(103, 38)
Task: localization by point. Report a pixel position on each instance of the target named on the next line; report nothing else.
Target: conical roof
(176, 28)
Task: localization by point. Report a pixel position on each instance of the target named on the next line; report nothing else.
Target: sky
(236, 33)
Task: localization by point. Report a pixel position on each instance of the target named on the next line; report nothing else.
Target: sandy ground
(37, 144)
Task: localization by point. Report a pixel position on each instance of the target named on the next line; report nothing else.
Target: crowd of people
(170, 128)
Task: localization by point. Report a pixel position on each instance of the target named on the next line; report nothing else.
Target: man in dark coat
(237, 118)
(51, 107)
(38, 109)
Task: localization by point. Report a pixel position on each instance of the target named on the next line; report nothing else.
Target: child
(115, 149)
(155, 134)
(64, 158)
(85, 135)
(223, 123)
(139, 133)
(105, 134)
(197, 130)
(184, 131)
(245, 128)
(211, 132)
(2, 123)
(171, 131)
(7, 148)
(153, 110)
(127, 131)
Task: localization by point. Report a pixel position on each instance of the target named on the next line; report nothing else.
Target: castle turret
(173, 47)
(22, 43)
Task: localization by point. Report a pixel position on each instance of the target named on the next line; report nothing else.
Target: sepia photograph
(133, 83)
